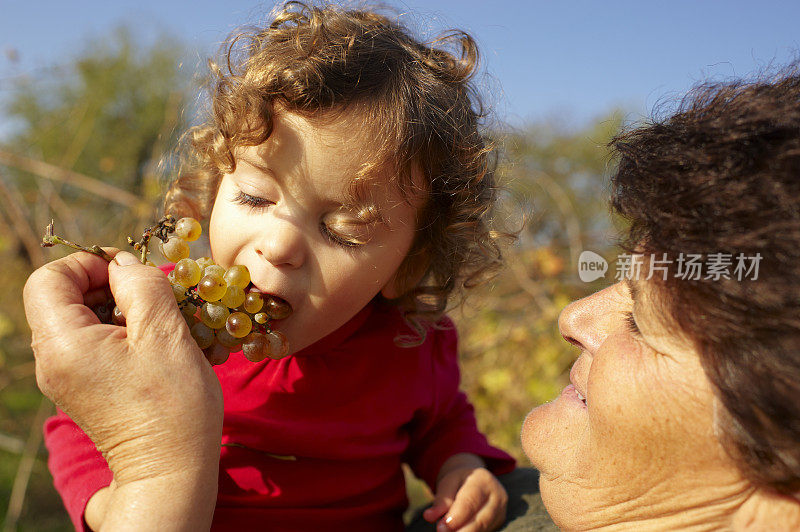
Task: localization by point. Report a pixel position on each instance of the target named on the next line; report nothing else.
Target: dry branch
(56, 173)
(63, 212)
(11, 444)
(20, 488)
(19, 218)
(572, 225)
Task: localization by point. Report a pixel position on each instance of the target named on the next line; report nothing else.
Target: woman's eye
(254, 202)
(337, 239)
(631, 324)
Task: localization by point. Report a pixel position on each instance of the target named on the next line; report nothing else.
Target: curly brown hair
(722, 175)
(419, 102)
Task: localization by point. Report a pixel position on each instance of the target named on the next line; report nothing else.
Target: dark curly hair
(722, 175)
(418, 102)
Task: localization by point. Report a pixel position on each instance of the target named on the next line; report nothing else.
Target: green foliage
(102, 114)
(109, 114)
(513, 357)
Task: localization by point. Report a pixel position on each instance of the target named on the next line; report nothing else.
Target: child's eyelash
(336, 239)
(631, 323)
(254, 202)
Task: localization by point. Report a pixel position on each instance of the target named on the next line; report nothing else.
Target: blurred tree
(513, 357)
(110, 113)
(88, 136)
(559, 176)
(103, 113)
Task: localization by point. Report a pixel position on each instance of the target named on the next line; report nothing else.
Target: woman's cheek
(621, 390)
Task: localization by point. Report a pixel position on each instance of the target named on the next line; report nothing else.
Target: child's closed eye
(346, 230)
(337, 239)
(347, 240)
(254, 202)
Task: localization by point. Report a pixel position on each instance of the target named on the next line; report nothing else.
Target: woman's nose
(283, 244)
(585, 322)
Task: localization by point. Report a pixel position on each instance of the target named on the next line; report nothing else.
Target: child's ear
(407, 276)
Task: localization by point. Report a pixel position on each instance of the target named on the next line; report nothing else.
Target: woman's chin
(553, 429)
(553, 440)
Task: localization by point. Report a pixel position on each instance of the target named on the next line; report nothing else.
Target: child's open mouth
(274, 307)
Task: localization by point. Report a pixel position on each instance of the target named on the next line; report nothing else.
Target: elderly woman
(683, 408)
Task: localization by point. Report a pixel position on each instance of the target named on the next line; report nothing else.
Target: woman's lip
(571, 394)
(581, 395)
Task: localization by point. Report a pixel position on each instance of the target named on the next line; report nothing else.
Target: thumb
(437, 509)
(445, 495)
(144, 296)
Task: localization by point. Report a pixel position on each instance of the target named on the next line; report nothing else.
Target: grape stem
(51, 239)
(162, 230)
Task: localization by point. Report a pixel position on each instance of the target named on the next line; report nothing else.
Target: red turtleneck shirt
(315, 441)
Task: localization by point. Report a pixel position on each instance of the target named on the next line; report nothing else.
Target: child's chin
(295, 344)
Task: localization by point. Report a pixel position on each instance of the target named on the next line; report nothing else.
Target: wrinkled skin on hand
(143, 393)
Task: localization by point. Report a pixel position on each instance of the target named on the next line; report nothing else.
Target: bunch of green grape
(223, 311)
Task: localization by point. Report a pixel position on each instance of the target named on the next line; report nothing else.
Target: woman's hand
(468, 497)
(143, 393)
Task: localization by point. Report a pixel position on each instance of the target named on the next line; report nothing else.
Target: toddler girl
(342, 164)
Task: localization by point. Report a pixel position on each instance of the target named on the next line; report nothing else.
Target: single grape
(178, 291)
(212, 288)
(103, 312)
(217, 354)
(117, 318)
(237, 275)
(255, 347)
(188, 309)
(253, 302)
(224, 337)
(188, 229)
(202, 334)
(278, 345)
(233, 297)
(214, 269)
(238, 324)
(190, 321)
(187, 273)
(277, 309)
(174, 249)
(214, 315)
(204, 262)
(261, 318)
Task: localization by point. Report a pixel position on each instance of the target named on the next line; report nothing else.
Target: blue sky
(570, 60)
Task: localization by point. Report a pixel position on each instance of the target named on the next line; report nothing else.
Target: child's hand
(468, 497)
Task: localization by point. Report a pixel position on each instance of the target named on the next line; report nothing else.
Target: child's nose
(283, 244)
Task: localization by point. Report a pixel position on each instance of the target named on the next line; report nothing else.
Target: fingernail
(442, 527)
(123, 258)
(448, 519)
